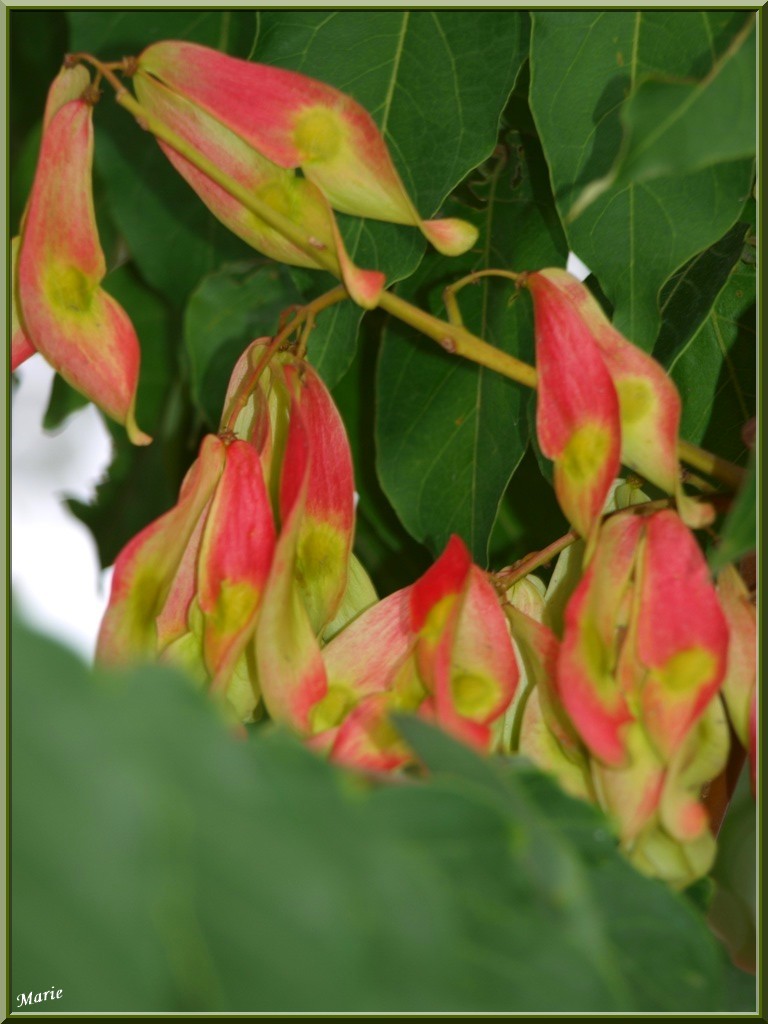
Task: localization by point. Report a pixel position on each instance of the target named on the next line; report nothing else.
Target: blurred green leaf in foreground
(162, 864)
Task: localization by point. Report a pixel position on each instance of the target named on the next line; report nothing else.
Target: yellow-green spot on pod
(68, 289)
(321, 552)
(435, 621)
(636, 398)
(242, 692)
(384, 735)
(148, 591)
(584, 455)
(407, 688)
(474, 696)
(687, 669)
(279, 196)
(318, 134)
(235, 603)
(331, 709)
(598, 657)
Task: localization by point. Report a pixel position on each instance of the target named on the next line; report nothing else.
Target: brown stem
(305, 314)
(535, 560)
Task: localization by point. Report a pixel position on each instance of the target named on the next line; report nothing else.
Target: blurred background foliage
(159, 864)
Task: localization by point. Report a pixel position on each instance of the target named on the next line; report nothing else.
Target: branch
(453, 338)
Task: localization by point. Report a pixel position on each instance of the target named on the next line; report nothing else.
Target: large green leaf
(450, 434)
(688, 296)
(196, 871)
(668, 124)
(584, 65)
(715, 371)
(112, 34)
(391, 556)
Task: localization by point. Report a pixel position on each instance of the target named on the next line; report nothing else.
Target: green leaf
(111, 35)
(733, 911)
(450, 434)
(740, 529)
(228, 310)
(584, 65)
(688, 296)
(715, 371)
(196, 871)
(38, 41)
(529, 516)
(391, 556)
(580, 858)
(668, 125)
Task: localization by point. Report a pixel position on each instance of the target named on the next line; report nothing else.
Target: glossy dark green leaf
(449, 434)
(668, 124)
(228, 310)
(716, 371)
(739, 535)
(390, 555)
(688, 296)
(584, 65)
(111, 34)
(196, 871)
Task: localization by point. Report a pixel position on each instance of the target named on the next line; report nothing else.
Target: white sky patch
(576, 267)
(55, 574)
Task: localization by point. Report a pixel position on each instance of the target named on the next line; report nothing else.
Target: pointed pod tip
(451, 236)
(695, 514)
(364, 286)
(135, 434)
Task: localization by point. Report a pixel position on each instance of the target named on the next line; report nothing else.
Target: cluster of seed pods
(249, 581)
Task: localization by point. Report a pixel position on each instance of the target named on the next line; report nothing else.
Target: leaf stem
(449, 292)
(459, 341)
(711, 465)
